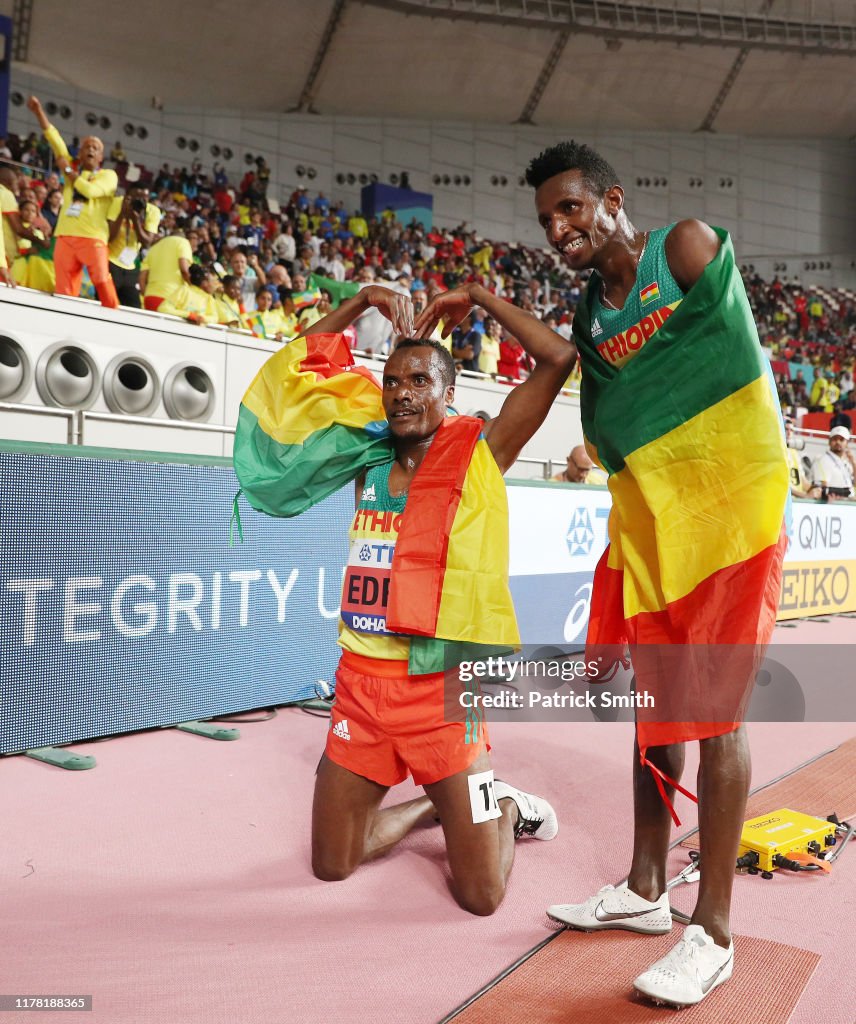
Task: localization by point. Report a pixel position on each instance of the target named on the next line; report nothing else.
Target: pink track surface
(173, 882)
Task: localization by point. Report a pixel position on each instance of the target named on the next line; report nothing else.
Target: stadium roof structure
(745, 67)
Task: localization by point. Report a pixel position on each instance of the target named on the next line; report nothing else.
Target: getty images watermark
(499, 670)
(657, 683)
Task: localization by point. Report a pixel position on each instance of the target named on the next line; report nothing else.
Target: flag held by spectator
(303, 300)
(337, 290)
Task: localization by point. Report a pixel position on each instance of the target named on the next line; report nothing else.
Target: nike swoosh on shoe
(609, 916)
(706, 984)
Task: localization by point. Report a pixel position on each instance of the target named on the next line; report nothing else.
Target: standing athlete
(673, 380)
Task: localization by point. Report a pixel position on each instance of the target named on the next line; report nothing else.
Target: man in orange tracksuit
(81, 231)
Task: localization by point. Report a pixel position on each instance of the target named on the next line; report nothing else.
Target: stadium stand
(808, 331)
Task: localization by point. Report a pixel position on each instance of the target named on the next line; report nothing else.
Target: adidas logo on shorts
(340, 729)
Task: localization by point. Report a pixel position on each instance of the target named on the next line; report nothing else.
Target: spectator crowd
(195, 245)
(810, 336)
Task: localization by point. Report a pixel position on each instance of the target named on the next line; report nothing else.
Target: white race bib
(365, 594)
(482, 797)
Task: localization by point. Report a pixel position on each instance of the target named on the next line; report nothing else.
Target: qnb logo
(580, 535)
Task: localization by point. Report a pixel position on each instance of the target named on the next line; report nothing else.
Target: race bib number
(483, 798)
(365, 595)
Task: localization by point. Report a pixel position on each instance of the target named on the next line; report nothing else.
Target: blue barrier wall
(123, 607)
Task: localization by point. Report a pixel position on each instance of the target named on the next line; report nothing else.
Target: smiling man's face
(576, 220)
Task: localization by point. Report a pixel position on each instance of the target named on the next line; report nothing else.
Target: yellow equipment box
(783, 832)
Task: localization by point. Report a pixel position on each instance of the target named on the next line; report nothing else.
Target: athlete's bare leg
(480, 855)
(723, 785)
(652, 823)
(348, 828)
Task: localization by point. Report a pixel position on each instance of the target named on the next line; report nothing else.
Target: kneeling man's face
(415, 395)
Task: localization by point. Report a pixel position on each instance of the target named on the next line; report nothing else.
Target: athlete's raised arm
(527, 406)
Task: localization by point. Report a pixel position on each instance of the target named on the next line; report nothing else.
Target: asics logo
(606, 915)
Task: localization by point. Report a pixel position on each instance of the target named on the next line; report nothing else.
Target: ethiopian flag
(311, 422)
(338, 290)
(691, 434)
(649, 293)
(305, 299)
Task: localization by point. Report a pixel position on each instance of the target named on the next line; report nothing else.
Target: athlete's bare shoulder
(690, 246)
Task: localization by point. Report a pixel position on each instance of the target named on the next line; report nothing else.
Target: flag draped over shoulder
(690, 432)
(449, 582)
(312, 422)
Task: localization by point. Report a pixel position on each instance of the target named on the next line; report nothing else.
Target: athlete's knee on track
(480, 897)
(327, 869)
(332, 865)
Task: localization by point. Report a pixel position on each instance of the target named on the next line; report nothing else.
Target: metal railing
(29, 169)
(547, 465)
(77, 419)
(667, 20)
(45, 410)
(82, 415)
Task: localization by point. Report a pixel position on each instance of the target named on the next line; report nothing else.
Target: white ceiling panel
(382, 63)
(643, 86)
(392, 65)
(215, 54)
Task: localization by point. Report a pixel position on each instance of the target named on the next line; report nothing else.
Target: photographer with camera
(801, 486)
(833, 472)
(132, 222)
